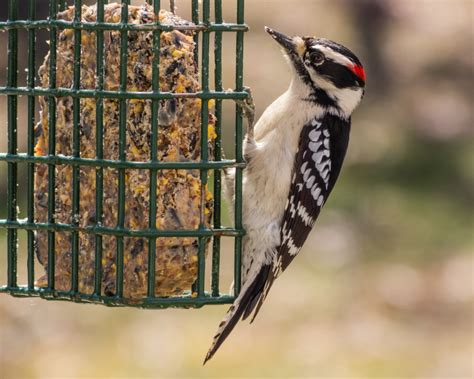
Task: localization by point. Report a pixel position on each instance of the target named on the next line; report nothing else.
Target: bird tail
(243, 305)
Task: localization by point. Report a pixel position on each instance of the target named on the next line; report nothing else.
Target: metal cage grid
(203, 27)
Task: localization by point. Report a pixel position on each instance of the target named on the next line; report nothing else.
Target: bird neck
(310, 93)
(299, 100)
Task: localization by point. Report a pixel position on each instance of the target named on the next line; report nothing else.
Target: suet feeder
(118, 204)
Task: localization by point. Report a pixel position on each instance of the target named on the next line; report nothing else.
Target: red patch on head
(359, 71)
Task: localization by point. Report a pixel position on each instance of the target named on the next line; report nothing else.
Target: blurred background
(383, 286)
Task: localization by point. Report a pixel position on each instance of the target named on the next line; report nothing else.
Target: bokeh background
(384, 285)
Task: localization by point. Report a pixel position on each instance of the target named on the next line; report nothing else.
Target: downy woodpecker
(294, 155)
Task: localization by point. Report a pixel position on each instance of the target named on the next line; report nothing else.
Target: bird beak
(294, 48)
(289, 44)
(286, 42)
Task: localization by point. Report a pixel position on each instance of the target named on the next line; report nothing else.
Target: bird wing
(317, 165)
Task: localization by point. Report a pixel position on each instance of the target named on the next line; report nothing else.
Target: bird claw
(248, 111)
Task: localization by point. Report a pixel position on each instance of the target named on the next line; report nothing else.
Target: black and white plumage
(294, 155)
(322, 148)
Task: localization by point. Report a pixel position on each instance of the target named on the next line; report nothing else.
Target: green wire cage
(207, 26)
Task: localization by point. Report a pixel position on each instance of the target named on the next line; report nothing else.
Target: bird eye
(316, 57)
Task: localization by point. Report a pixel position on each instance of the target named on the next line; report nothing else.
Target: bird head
(331, 74)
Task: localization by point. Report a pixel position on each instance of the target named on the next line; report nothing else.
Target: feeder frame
(203, 27)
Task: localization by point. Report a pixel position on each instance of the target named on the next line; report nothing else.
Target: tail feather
(261, 281)
(263, 294)
(243, 305)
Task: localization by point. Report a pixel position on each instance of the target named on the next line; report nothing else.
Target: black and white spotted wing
(322, 147)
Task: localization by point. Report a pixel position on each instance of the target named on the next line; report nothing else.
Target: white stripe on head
(333, 55)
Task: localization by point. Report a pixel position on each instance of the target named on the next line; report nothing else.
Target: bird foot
(248, 111)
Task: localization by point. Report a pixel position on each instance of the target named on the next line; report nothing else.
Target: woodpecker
(294, 154)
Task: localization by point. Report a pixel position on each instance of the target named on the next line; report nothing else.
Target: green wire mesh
(203, 27)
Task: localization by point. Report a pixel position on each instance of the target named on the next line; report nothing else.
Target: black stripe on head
(340, 75)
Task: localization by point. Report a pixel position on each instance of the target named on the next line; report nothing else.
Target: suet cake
(178, 140)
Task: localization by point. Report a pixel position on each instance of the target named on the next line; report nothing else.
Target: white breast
(267, 177)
